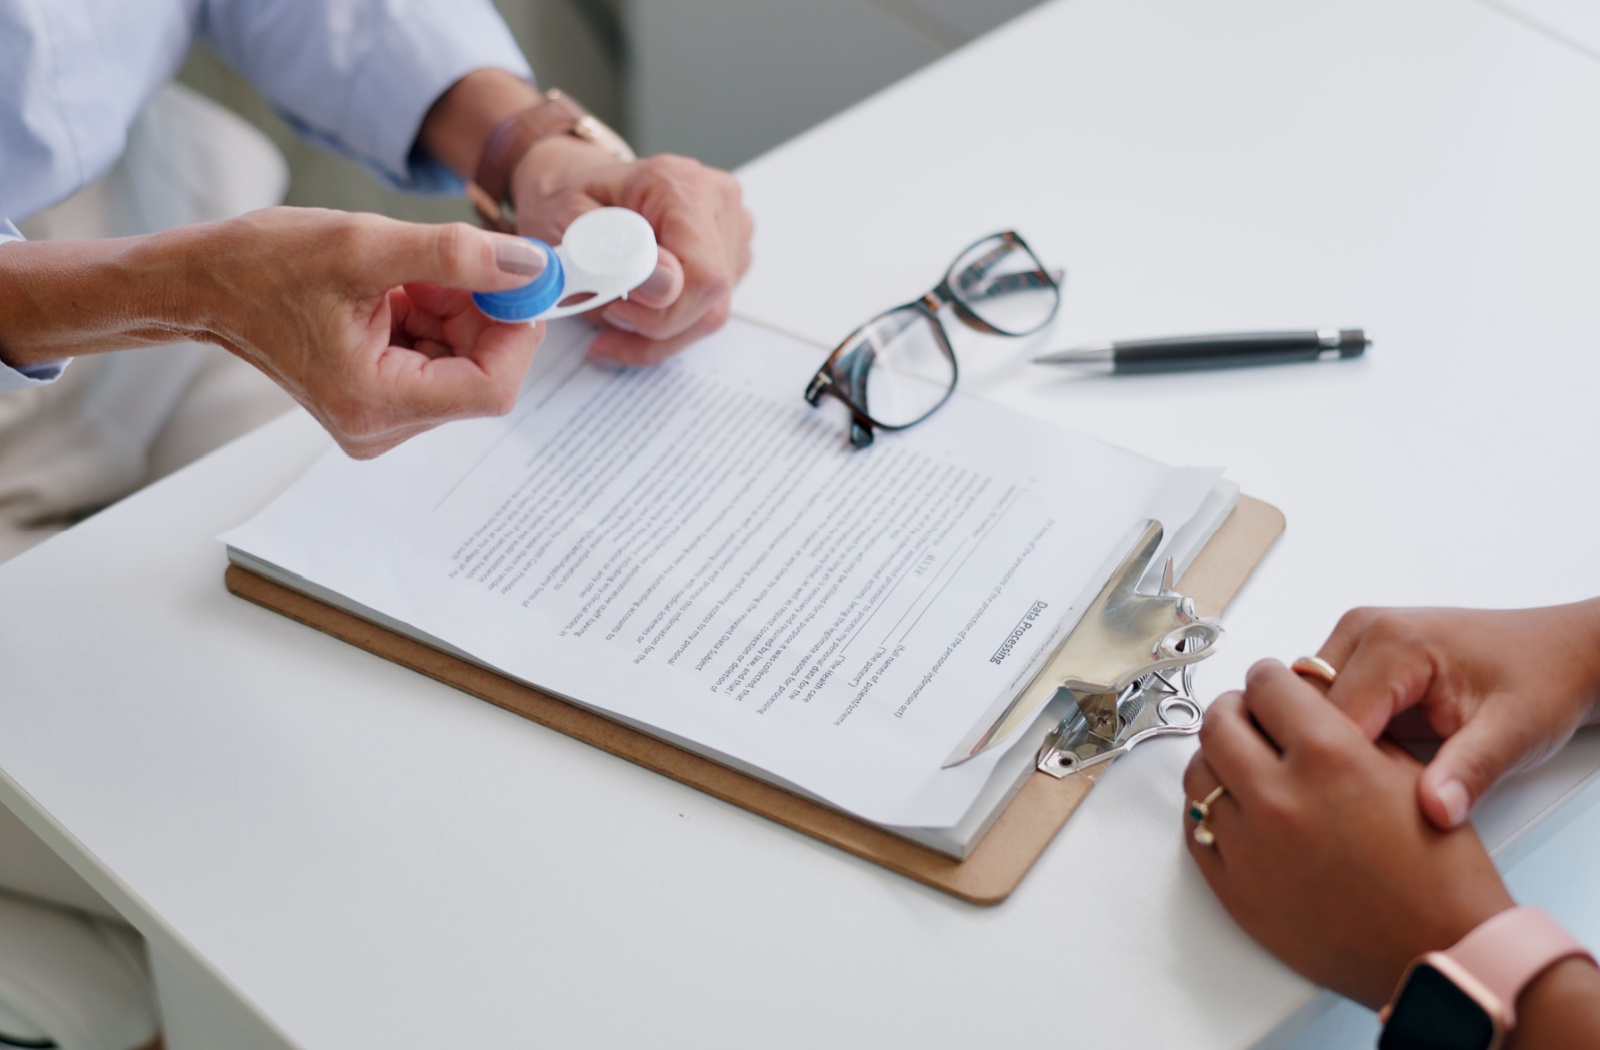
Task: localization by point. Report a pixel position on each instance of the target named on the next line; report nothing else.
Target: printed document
(693, 549)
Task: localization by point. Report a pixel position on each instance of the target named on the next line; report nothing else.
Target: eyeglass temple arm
(845, 376)
(857, 363)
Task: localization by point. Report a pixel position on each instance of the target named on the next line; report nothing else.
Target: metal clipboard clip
(1153, 706)
(1118, 663)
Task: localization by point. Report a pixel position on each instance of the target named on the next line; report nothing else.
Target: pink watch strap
(1508, 950)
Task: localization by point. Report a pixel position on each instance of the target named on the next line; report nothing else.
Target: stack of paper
(693, 551)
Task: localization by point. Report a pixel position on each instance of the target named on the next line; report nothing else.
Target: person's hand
(1319, 850)
(1503, 689)
(701, 225)
(367, 322)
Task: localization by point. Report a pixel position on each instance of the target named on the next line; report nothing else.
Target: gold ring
(1199, 811)
(1315, 667)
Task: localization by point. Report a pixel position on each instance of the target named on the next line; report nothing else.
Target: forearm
(1561, 1007)
(71, 298)
(459, 124)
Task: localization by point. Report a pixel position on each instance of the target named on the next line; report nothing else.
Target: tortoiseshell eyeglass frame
(844, 374)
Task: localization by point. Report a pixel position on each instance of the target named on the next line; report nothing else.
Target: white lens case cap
(605, 253)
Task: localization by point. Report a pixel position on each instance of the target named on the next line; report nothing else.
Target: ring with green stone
(1199, 811)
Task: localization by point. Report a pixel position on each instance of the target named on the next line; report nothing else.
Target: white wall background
(725, 80)
(722, 80)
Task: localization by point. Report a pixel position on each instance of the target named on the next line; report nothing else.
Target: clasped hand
(1503, 690)
(1334, 847)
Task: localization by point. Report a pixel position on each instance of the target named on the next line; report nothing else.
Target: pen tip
(1078, 355)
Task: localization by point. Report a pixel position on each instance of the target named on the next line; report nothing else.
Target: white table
(1571, 23)
(326, 850)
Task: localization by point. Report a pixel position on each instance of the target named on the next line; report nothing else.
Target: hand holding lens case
(604, 255)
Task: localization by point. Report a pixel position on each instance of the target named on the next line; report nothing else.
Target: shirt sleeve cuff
(421, 57)
(31, 375)
(26, 375)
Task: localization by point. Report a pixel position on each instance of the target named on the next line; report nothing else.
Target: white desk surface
(371, 859)
(1573, 23)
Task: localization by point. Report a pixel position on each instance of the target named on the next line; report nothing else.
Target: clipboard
(994, 868)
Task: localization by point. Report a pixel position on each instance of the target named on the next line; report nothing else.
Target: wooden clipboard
(987, 876)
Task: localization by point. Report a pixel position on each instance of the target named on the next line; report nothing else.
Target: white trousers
(70, 974)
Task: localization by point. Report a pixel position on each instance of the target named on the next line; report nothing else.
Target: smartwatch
(556, 114)
(1465, 998)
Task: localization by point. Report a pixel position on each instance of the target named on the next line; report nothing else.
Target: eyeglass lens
(896, 367)
(1004, 285)
(899, 367)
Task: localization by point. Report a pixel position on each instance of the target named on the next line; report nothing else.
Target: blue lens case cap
(604, 255)
(516, 305)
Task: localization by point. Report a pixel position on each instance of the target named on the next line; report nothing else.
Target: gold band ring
(1315, 667)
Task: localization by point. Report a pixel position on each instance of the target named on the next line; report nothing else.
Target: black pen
(1182, 353)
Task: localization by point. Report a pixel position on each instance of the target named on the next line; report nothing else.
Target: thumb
(1470, 761)
(456, 255)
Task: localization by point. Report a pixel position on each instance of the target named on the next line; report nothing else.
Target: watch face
(1433, 1014)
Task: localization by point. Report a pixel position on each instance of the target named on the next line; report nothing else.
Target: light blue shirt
(357, 76)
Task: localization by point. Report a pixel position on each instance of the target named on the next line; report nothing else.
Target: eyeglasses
(898, 368)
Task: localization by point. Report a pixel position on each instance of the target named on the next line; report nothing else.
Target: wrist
(549, 167)
(1470, 996)
(1561, 1005)
(458, 126)
(1458, 911)
(170, 280)
(542, 143)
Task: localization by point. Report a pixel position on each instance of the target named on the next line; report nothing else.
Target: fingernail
(518, 256)
(615, 319)
(1453, 794)
(660, 286)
